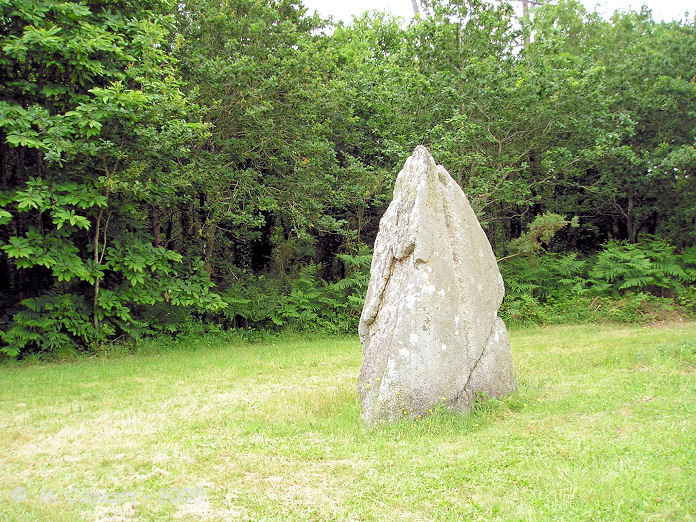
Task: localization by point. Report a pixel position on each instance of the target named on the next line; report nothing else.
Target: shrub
(650, 266)
(623, 283)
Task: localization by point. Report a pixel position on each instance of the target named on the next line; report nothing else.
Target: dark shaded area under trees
(166, 164)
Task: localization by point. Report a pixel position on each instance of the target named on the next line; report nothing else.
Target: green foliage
(687, 259)
(623, 283)
(546, 275)
(539, 233)
(152, 149)
(348, 293)
(534, 285)
(149, 300)
(305, 302)
(95, 133)
(650, 266)
(50, 322)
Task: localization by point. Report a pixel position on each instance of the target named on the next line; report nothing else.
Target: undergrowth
(624, 283)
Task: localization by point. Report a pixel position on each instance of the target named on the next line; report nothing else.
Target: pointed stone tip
(420, 150)
(421, 156)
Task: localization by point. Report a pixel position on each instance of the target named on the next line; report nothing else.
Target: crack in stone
(465, 389)
(380, 301)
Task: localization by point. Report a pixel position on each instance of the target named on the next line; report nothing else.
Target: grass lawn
(603, 427)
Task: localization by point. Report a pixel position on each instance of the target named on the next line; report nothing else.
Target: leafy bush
(307, 305)
(304, 302)
(650, 266)
(50, 322)
(539, 233)
(146, 300)
(622, 283)
(549, 288)
(523, 309)
(348, 294)
(546, 275)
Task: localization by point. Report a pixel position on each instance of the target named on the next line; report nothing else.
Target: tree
(95, 135)
(618, 162)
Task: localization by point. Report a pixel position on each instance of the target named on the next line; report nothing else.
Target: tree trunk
(155, 224)
(631, 230)
(525, 7)
(209, 247)
(95, 319)
(169, 230)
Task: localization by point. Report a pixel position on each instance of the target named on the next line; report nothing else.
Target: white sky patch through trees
(663, 10)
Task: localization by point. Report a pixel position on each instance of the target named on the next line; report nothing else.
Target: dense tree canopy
(229, 161)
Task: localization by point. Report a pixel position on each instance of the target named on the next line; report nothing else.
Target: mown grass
(603, 427)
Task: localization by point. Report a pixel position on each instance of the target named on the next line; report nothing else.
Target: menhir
(429, 328)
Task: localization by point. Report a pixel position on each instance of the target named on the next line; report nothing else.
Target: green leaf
(18, 247)
(5, 217)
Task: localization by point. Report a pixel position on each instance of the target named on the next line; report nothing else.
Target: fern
(545, 276)
(687, 259)
(348, 294)
(650, 266)
(50, 322)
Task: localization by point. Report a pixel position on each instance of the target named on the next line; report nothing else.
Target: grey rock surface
(429, 328)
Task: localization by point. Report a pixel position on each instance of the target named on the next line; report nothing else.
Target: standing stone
(429, 328)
